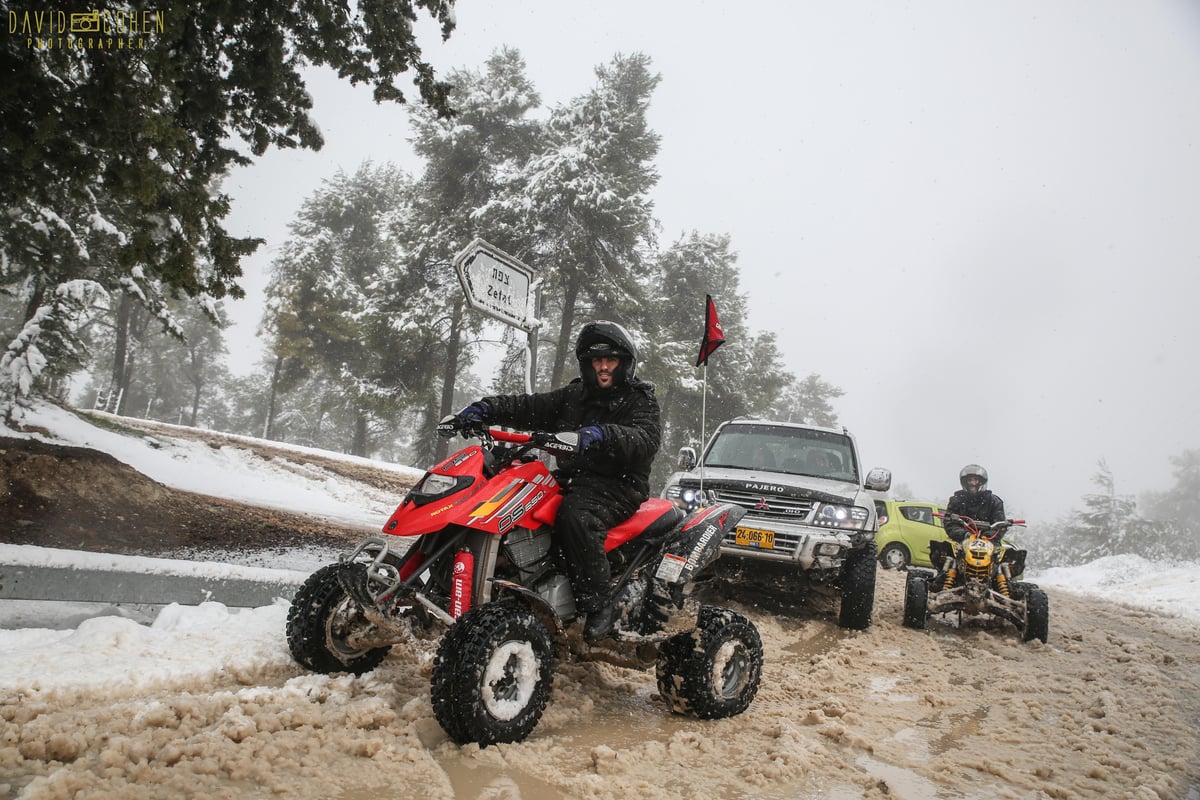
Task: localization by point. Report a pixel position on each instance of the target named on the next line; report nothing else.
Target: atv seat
(655, 517)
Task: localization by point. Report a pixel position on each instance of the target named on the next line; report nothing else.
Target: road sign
(497, 284)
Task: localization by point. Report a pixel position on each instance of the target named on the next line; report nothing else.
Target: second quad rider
(973, 500)
(617, 418)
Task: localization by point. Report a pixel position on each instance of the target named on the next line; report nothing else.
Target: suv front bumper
(806, 546)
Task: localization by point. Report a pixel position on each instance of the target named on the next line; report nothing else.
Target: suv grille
(793, 509)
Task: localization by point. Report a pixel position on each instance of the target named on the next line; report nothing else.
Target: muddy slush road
(1109, 708)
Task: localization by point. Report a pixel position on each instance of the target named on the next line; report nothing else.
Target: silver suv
(809, 520)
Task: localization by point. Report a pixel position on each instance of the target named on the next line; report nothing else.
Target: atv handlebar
(566, 442)
(982, 527)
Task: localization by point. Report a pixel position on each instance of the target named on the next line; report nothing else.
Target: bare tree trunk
(449, 376)
(269, 422)
(35, 302)
(570, 293)
(195, 403)
(359, 446)
(120, 353)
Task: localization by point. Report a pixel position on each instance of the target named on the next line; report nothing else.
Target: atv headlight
(434, 486)
(830, 515)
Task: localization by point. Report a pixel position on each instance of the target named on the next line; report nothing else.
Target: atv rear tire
(492, 675)
(1037, 614)
(916, 601)
(714, 671)
(320, 619)
(858, 589)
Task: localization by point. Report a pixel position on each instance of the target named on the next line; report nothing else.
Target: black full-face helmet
(601, 339)
(973, 478)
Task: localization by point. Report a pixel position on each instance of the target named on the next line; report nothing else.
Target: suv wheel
(858, 589)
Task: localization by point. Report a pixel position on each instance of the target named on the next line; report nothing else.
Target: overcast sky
(980, 220)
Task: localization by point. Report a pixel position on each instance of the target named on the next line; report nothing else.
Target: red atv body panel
(524, 494)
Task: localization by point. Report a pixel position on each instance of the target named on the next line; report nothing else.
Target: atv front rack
(975, 598)
(381, 588)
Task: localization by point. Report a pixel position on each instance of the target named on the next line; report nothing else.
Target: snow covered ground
(206, 701)
(205, 640)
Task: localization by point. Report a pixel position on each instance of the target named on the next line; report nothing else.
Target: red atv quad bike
(470, 550)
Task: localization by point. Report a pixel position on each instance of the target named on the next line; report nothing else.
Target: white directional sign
(497, 284)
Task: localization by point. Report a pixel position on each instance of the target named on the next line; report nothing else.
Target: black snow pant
(589, 508)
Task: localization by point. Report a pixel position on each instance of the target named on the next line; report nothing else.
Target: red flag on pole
(714, 334)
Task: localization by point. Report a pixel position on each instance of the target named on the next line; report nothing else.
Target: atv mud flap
(696, 543)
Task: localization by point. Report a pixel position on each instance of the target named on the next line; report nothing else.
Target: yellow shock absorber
(951, 576)
(1002, 576)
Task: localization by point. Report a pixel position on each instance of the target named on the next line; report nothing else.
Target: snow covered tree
(583, 204)
(1182, 501)
(164, 376)
(1178, 508)
(112, 156)
(469, 160)
(1109, 524)
(356, 316)
(745, 376)
(807, 401)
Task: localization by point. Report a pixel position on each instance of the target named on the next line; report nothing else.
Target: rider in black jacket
(973, 500)
(617, 418)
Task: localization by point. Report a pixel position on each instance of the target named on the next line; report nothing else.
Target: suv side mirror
(879, 480)
(687, 458)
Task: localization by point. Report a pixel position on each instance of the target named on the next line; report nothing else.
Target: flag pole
(714, 337)
(703, 411)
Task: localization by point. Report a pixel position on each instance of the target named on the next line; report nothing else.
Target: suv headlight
(686, 498)
(830, 515)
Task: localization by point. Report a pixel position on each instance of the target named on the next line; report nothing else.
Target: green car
(905, 529)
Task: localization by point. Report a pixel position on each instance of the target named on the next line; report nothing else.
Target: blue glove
(475, 414)
(589, 436)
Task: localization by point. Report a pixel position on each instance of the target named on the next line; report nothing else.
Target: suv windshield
(780, 448)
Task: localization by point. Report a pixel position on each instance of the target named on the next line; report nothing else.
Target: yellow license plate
(754, 537)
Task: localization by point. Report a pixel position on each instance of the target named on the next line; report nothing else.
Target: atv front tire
(492, 675)
(1037, 613)
(321, 619)
(916, 600)
(858, 589)
(714, 671)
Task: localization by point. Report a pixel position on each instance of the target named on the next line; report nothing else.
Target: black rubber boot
(600, 623)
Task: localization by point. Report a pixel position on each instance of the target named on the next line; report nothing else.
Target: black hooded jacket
(982, 506)
(627, 414)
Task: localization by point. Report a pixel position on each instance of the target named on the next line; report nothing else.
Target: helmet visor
(603, 350)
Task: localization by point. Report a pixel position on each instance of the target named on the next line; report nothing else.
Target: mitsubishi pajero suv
(809, 520)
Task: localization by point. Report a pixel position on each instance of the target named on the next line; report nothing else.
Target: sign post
(502, 287)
